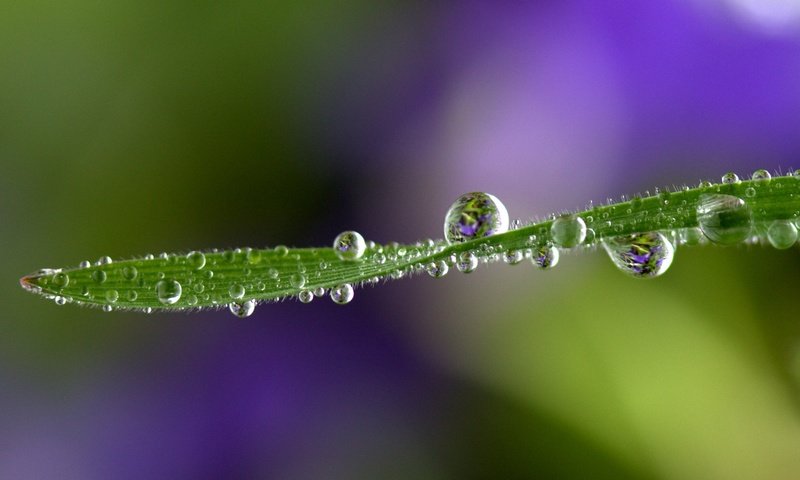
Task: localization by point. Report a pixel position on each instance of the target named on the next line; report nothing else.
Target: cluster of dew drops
(722, 219)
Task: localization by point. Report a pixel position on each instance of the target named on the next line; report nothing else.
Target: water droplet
(209, 274)
(281, 251)
(112, 296)
(475, 215)
(642, 255)
(467, 262)
(148, 310)
(298, 280)
(306, 296)
(437, 269)
(253, 256)
(99, 276)
(132, 295)
(691, 236)
(342, 294)
(196, 259)
(545, 256)
(229, 256)
(349, 245)
(242, 309)
(107, 308)
(60, 280)
(724, 219)
(761, 176)
(782, 234)
(129, 272)
(750, 192)
(319, 292)
(705, 184)
(513, 257)
(104, 261)
(60, 300)
(168, 291)
(273, 273)
(191, 300)
(85, 264)
(590, 237)
(730, 178)
(236, 291)
(379, 258)
(568, 231)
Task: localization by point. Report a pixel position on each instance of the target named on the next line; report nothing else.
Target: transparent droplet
(782, 234)
(60, 300)
(475, 215)
(750, 192)
(437, 269)
(191, 300)
(545, 256)
(298, 280)
(229, 256)
(209, 274)
(342, 294)
(761, 176)
(467, 262)
(129, 272)
(253, 256)
(319, 292)
(132, 295)
(281, 251)
(568, 231)
(513, 257)
(197, 260)
(99, 276)
(236, 291)
(379, 258)
(168, 291)
(242, 309)
(112, 296)
(642, 255)
(724, 219)
(85, 264)
(590, 236)
(306, 296)
(104, 261)
(730, 178)
(107, 308)
(60, 280)
(273, 273)
(691, 236)
(349, 245)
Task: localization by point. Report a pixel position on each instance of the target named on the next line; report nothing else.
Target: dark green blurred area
(129, 128)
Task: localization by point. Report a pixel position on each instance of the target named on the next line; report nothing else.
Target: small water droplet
(107, 308)
(724, 219)
(132, 295)
(253, 256)
(236, 291)
(568, 231)
(112, 296)
(379, 258)
(298, 280)
(60, 300)
(168, 291)
(319, 292)
(99, 276)
(197, 260)
(467, 262)
(437, 269)
(730, 178)
(129, 272)
(761, 176)
(148, 310)
(545, 256)
(191, 300)
(642, 255)
(85, 264)
(750, 192)
(281, 251)
(242, 309)
(60, 280)
(306, 296)
(209, 274)
(782, 234)
(349, 245)
(342, 294)
(104, 261)
(514, 257)
(273, 273)
(475, 215)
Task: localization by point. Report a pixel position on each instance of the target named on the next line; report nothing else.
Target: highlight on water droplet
(242, 309)
(568, 231)
(342, 294)
(545, 256)
(641, 255)
(782, 234)
(475, 215)
(724, 219)
(168, 291)
(349, 245)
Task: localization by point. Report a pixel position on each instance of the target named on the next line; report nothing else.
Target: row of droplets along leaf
(639, 235)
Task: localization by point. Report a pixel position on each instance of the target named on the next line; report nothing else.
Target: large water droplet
(242, 309)
(168, 291)
(129, 272)
(724, 219)
(60, 280)
(99, 276)
(197, 260)
(761, 176)
(349, 245)
(342, 294)
(545, 256)
(782, 234)
(642, 255)
(60, 300)
(513, 257)
(112, 296)
(475, 215)
(730, 178)
(568, 231)
(298, 280)
(306, 296)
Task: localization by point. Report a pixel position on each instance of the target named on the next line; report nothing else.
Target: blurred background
(135, 127)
